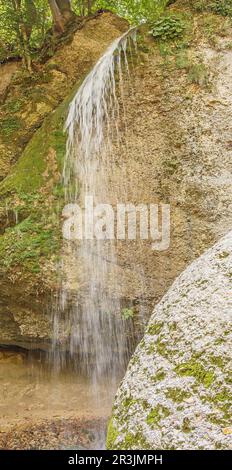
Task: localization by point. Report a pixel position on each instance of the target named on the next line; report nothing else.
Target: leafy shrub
(127, 313)
(168, 27)
(198, 74)
(13, 105)
(221, 7)
(182, 60)
(199, 6)
(9, 125)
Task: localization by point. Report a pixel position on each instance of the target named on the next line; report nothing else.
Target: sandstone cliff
(175, 149)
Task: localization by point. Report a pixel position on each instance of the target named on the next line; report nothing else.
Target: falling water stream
(88, 319)
(92, 339)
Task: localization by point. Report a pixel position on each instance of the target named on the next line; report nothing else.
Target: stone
(177, 393)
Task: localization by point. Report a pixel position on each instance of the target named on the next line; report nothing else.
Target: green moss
(112, 435)
(133, 441)
(156, 414)
(177, 394)
(13, 106)
(34, 191)
(172, 326)
(222, 402)
(161, 348)
(223, 396)
(196, 370)
(159, 376)
(218, 361)
(155, 328)
(151, 349)
(26, 244)
(27, 175)
(128, 402)
(9, 125)
(219, 341)
(145, 404)
(134, 360)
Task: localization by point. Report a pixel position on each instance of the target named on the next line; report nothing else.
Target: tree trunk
(31, 16)
(61, 13)
(23, 36)
(57, 16)
(65, 9)
(90, 3)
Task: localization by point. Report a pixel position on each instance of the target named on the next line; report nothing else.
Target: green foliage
(36, 25)
(134, 11)
(127, 313)
(26, 243)
(13, 106)
(24, 28)
(9, 125)
(220, 7)
(198, 74)
(182, 62)
(168, 27)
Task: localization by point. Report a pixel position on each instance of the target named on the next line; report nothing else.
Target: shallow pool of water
(34, 397)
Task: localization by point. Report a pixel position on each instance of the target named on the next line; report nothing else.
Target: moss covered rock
(177, 390)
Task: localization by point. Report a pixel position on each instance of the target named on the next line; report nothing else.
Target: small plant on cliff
(220, 7)
(127, 313)
(168, 28)
(198, 74)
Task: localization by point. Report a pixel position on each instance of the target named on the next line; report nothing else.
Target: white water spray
(94, 324)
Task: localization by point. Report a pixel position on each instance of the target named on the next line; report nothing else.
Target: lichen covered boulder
(177, 390)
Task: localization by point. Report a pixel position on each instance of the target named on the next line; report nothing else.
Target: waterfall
(92, 323)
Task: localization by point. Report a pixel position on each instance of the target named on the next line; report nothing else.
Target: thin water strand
(93, 317)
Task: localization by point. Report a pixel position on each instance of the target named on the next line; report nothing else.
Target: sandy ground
(44, 410)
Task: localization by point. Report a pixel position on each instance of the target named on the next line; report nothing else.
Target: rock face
(28, 100)
(176, 150)
(30, 191)
(180, 155)
(23, 323)
(177, 391)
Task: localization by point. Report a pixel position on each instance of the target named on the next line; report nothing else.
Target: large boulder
(177, 390)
